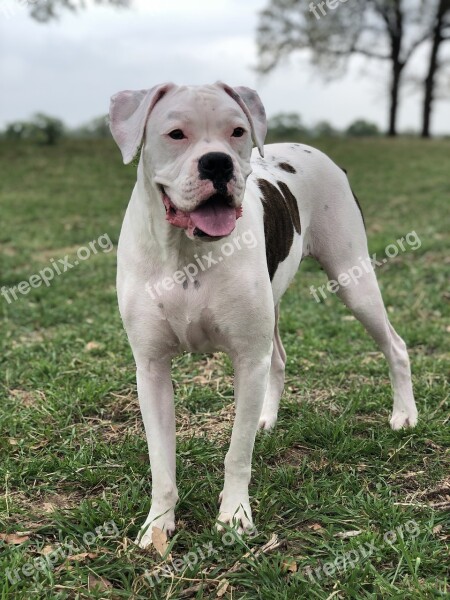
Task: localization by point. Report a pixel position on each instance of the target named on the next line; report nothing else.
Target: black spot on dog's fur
(286, 167)
(356, 199)
(281, 216)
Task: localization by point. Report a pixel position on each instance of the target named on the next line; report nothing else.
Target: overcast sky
(70, 68)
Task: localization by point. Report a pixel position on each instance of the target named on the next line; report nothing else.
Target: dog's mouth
(215, 218)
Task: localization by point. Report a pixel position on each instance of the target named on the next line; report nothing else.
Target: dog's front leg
(155, 393)
(251, 379)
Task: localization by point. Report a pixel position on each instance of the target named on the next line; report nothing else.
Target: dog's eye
(238, 132)
(177, 134)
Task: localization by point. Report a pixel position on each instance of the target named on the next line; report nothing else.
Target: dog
(189, 280)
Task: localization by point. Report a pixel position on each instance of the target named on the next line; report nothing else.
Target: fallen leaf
(437, 528)
(23, 396)
(14, 538)
(315, 527)
(99, 582)
(222, 588)
(347, 534)
(159, 540)
(77, 557)
(81, 556)
(92, 346)
(40, 444)
(290, 565)
(13, 441)
(47, 550)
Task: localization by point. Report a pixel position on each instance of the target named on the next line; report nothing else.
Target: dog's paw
(165, 523)
(239, 519)
(267, 421)
(401, 419)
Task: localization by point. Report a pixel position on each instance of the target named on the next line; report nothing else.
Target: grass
(73, 451)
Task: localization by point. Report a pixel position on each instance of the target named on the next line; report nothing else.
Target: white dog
(211, 239)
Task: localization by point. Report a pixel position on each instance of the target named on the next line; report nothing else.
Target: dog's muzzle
(214, 218)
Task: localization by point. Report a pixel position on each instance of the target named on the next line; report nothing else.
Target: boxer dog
(188, 280)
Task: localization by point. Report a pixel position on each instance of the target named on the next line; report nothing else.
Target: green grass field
(359, 511)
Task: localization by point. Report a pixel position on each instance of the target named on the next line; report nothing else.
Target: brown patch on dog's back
(292, 205)
(281, 216)
(286, 167)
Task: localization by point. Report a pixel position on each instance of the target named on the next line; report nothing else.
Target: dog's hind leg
(365, 301)
(346, 260)
(276, 380)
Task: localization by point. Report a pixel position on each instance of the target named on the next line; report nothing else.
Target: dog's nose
(216, 166)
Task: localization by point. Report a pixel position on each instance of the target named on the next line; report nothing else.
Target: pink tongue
(214, 219)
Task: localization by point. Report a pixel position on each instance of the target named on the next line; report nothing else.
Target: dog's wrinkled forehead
(198, 106)
(131, 111)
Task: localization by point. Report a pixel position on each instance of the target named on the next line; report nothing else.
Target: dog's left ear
(128, 114)
(253, 108)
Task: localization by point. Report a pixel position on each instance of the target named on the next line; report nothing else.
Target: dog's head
(196, 146)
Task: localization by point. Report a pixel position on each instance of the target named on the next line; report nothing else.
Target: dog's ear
(253, 108)
(128, 114)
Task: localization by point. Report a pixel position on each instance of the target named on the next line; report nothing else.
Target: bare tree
(441, 34)
(387, 30)
(48, 10)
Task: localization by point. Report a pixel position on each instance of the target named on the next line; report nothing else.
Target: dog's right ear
(128, 114)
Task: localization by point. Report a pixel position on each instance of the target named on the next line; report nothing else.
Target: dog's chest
(191, 322)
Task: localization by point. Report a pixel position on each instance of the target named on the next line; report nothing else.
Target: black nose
(216, 166)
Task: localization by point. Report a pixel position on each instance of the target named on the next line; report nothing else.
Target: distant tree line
(47, 130)
(289, 126)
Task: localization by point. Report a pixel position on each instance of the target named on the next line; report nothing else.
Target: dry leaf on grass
(25, 397)
(99, 582)
(315, 527)
(222, 588)
(81, 556)
(14, 538)
(289, 565)
(92, 346)
(159, 540)
(347, 534)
